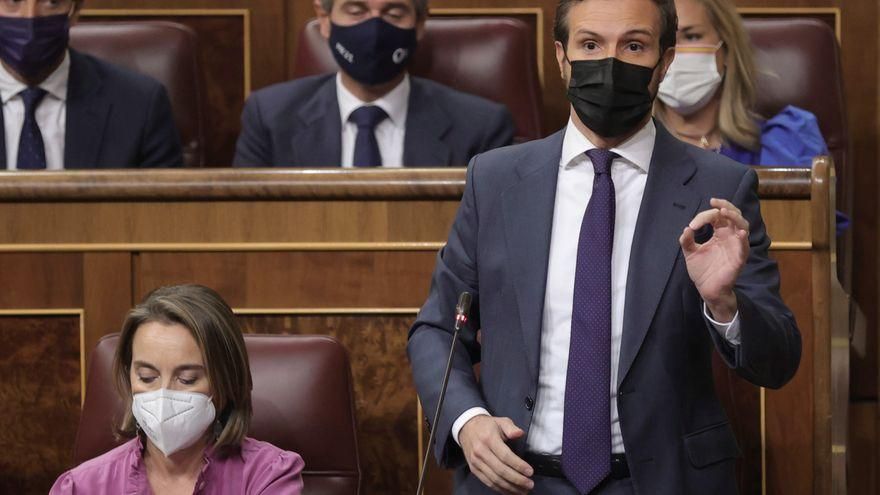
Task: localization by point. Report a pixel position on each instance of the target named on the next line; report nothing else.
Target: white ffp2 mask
(692, 79)
(173, 420)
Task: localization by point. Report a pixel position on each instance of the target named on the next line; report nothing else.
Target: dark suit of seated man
(372, 113)
(66, 110)
(599, 305)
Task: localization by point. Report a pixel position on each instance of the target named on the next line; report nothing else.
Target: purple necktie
(366, 148)
(31, 151)
(586, 434)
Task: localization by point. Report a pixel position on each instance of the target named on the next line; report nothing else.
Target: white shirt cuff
(464, 418)
(729, 331)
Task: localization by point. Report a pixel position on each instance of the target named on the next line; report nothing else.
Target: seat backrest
(492, 57)
(165, 51)
(799, 64)
(302, 400)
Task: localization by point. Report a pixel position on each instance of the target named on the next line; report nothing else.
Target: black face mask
(611, 97)
(373, 51)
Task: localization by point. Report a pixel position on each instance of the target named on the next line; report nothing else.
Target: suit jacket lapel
(667, 207)
(87, 113)
(426, 124)
(528, 221)
(319, 141)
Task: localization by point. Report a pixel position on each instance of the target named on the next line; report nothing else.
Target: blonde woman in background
(709, 94)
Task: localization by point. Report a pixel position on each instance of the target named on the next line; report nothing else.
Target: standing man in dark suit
(66, 110)
(598, 307)
(372, 113)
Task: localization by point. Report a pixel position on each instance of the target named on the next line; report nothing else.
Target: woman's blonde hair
(216, 331)
(737, 120)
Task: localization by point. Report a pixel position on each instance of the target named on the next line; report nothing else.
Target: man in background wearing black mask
(599, 307)
(372, 113)
(66, 110)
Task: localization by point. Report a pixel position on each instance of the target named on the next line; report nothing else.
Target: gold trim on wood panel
(791, 246)
(325, 311)
(795, 11)
(244, 13)
(538, 12)
(270, 246)
(79, 312)
(221, 247)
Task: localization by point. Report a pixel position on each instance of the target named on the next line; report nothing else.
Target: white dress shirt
(51, 114)
(574, 188)
(389, 133)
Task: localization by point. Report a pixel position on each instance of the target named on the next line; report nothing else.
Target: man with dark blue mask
(372, 112)
(599, 306)
(66, 110)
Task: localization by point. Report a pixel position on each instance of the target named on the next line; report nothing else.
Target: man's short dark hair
(421, 7)
(668, 22)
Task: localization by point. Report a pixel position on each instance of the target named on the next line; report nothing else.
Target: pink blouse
(261, 468)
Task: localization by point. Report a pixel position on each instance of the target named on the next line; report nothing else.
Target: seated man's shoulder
(457, 101)
(116, 79)
(280, 100)
(296, 90)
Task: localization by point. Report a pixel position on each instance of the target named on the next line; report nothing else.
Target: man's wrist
(724, 308)
(462, 420)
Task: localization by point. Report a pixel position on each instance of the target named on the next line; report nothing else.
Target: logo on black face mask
(347, 55)
(400, 55)
(374, 51)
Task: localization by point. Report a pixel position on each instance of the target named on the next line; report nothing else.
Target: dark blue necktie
(31, 152)
(586, 434)
(366, 148)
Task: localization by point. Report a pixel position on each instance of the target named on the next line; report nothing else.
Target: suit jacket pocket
(711, 445)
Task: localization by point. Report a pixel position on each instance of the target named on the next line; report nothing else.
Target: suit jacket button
(530, 403)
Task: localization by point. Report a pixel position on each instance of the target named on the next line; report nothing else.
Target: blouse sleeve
(63, 485)
(283, 476)
(792, 137)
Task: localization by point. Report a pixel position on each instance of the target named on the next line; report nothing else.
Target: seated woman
(709, 95)
(183, 370)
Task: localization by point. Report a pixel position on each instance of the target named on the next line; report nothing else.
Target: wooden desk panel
(350, 253)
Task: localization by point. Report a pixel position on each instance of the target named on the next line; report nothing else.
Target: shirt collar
(636, 150)
(395, 102)
(55, 84)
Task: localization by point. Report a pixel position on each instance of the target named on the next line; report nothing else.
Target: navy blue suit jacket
(676, 434)
(297, 124)
(116, 118)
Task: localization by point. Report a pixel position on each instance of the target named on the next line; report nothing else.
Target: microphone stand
(461, 311)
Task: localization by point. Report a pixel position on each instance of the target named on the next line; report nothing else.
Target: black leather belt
(551, 465)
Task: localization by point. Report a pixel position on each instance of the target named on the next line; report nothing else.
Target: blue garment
(791, 138)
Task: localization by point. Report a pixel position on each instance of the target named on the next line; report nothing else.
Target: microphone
(462, 309)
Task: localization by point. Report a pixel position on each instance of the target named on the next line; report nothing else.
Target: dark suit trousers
(559, 486)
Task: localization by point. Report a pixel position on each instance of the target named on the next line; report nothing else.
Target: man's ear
(561, 59)
(74, 16)
(668, 57)
(420, 28)
(323, 18)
